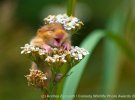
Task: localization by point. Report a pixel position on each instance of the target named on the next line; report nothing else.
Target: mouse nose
(60, 33)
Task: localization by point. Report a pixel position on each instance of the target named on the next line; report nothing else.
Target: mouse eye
(52, 30)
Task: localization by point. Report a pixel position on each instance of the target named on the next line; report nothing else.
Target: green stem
(60, 84)
(44, 96)
(71, 7)
(52, 84)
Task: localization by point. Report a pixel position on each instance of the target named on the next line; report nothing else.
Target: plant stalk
(71, 7)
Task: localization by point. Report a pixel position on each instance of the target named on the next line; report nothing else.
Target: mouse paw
(66, 46)
(47, 48)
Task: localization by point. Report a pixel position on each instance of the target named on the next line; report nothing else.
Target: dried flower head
(57, 56)
(69, 23)
(37, 78)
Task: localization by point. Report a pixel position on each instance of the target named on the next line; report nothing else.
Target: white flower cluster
(78, 53)
(56, 58)
(57, 55)
(69, 23)
(27, 49)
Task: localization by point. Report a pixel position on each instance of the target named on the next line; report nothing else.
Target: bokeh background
(109, 70)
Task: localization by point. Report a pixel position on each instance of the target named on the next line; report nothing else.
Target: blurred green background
(111, 69)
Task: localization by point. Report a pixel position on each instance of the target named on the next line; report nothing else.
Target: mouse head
(53, 34)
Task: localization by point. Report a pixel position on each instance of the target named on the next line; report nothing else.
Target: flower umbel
(69, 23)
(57, 56)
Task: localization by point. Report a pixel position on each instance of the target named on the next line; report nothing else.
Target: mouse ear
(43, 29)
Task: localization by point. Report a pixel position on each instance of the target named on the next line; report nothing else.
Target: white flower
(41, 52)
(28, 51)
(80, 56)
(74, 19)
(49, 18)
(76, 58)
(33, 48)
(73, 54)
(55, 49)
(57, 56)
(22, 51)
(69, 23)
(68, 28)
(44, 78)
(85, 53)
(63, 60)
(37, 49)
(50, 59)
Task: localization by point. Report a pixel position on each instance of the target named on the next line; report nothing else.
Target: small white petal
(28, 51)
(53, 60)
(22, 52)
(80, 56)
(64, 61)
(76, 58)
(73, 54)
(44, 78)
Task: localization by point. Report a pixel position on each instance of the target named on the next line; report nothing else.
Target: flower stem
(71, 7)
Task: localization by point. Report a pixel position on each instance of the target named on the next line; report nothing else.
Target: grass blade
(73, 80)
(111, 58)
(123, 44)
(110, 70)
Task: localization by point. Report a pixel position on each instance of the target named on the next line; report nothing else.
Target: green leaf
(123, 44)
(111, 61)
(73, 80)
(110, 67)
(111, 57)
